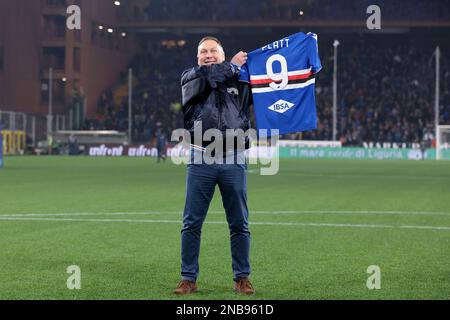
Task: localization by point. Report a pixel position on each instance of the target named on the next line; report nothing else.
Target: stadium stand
(385, 85)
(217, 10)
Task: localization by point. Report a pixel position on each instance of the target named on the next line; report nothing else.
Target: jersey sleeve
(313, 53)
(244, 74)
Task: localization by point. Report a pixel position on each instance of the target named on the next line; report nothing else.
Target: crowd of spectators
(385, 91)
(254, 10)
(156, 94)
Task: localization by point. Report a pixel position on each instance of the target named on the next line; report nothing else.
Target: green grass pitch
(316, 227)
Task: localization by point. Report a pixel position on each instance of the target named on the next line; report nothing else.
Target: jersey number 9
(277, 77)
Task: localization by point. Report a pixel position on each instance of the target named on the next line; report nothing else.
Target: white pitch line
(90, 214)
(86, 220)
(353, 212)
(349, 175)
(333, 225)
(270, 212)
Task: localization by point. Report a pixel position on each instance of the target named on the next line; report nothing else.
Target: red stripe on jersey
(301, 76)
(268, 80)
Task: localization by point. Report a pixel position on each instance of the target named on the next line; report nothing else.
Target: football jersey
(282, 78)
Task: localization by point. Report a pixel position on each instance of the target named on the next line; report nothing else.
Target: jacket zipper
(219, 99)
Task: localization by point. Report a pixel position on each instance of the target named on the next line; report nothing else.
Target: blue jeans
(200, 184)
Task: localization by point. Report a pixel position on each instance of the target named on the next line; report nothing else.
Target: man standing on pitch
(215, 99)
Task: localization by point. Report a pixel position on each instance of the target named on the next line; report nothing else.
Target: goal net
(443, 142)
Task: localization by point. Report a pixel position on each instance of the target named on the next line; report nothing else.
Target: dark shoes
(185, 287)
(243, 286)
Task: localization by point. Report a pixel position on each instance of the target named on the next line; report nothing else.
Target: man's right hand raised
(239, 59)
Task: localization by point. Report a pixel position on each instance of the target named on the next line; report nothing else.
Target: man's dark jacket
(213, 95)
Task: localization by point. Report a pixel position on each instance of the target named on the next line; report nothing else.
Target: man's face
(210, 52)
